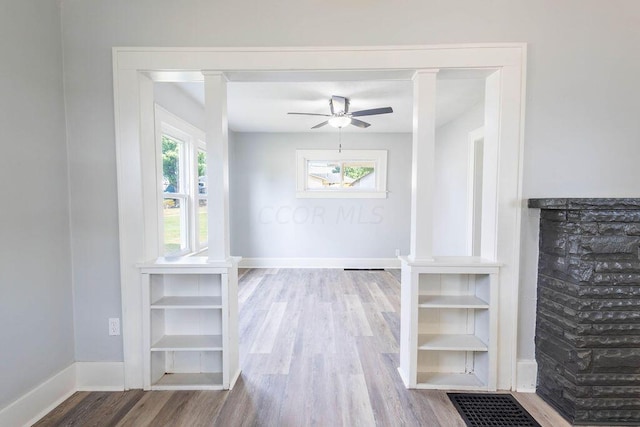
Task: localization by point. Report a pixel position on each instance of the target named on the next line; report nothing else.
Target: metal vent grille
(491, 410)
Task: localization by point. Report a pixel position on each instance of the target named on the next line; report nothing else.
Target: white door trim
(473, 138)
(135, 69)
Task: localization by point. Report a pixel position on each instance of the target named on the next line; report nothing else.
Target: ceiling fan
(341, 117)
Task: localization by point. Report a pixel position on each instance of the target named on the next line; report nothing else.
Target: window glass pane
(323, 174)
(347, 174)
(203, 223)
(202, 172)
(172, 153)
(359, 175)
(175, 233)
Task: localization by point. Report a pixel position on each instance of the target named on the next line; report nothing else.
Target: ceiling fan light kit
(340, 121)
(341, 117)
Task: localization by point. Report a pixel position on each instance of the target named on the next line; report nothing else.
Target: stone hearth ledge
(585, 203)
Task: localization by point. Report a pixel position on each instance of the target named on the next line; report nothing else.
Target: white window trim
(379, 157)
(167, 123)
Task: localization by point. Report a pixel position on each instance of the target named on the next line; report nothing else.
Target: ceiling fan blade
(372, 112)
(319, 125)
(311, 114)
(359, 123)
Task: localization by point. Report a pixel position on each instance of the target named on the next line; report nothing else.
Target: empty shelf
(187, 381)
(451, 381)
(188, 343)
(188, 302)
(450, 342)
(451, 301)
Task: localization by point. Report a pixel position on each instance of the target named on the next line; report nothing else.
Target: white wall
(268, 221)
(581, 135)
(451, 232)
(36, 310)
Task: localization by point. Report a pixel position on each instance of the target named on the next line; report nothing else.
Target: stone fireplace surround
(588, 309)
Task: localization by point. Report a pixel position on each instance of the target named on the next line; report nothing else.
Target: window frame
(200, 246)
(193, 140)
(378, 157)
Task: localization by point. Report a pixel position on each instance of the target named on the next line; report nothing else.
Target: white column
(215, 96)
(422, 169)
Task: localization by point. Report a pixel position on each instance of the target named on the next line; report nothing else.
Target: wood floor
(317, 347)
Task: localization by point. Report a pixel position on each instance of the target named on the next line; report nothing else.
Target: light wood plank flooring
(317, 347)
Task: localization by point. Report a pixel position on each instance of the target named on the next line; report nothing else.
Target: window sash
(342, 184)
(378, 158)
(183, 223)
(201, 244)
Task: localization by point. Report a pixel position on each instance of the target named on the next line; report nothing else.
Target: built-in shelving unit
(449, 323)
(190, 328)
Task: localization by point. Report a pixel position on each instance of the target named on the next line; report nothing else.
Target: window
(182, 178)
(350, 173)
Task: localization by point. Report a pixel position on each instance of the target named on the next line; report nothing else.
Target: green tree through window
(357, 172)
(170, 161)
(202, 163)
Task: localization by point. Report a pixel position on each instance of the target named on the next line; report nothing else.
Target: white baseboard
(234, 379)
(100, 376)
(404, 379)
(32, 406)
(527, 375)
(79, 376)
(319, 263)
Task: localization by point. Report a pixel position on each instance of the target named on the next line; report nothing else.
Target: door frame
(474, 137)
(135, 69)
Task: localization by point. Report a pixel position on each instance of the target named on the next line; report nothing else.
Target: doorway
(134, 95)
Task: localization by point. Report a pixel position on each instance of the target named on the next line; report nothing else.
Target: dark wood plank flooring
(317, 347)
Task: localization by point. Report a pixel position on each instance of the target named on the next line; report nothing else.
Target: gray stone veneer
(588, 311)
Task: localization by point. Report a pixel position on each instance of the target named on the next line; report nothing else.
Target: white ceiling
(263, 106)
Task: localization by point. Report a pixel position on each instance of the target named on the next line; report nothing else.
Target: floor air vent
(491, 410)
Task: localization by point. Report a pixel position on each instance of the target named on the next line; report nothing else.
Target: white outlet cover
(114, 326)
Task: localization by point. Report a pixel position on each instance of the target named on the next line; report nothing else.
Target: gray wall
(581, 136)
(268, 221)
(36, 310)
(175, 100)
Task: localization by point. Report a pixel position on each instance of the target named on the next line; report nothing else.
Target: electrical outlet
(114, 326)
(397, 252)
